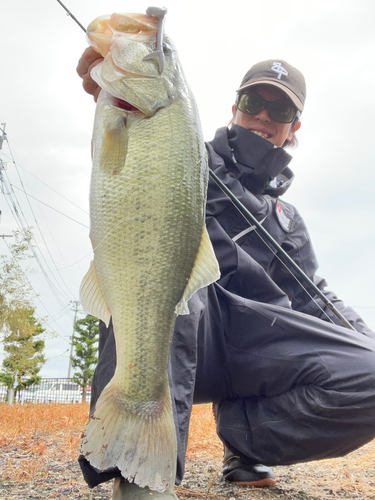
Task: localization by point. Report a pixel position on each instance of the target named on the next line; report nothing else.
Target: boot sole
(257, 484)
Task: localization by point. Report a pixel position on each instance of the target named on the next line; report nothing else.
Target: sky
(49, 120)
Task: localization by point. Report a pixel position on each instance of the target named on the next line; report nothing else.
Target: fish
(151, 248)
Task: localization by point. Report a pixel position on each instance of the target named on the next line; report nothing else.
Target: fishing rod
(71, 15)
(281, 253)
(251, 220)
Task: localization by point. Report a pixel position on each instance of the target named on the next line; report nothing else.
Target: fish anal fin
(205, 271)
(91, 296)
(114, 147)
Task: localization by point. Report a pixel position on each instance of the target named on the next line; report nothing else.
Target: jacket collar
(261, 167)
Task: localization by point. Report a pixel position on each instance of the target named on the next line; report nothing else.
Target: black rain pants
(289, 387)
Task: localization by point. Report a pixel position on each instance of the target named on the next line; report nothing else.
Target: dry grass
(39, 447)
(203, 440)
(36, 433)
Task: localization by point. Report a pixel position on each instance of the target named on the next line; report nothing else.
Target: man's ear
(234, 109)
(296, 127)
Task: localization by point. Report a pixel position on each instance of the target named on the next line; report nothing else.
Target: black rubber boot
(239, 470)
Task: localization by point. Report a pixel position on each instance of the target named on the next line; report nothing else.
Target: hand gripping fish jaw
(160, 13)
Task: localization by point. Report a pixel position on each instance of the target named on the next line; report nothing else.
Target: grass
(203, 439)
(38, 439)
(38, 432)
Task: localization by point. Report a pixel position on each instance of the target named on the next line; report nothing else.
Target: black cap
(280, 74)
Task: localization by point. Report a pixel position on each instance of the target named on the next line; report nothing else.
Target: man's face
(275, 132)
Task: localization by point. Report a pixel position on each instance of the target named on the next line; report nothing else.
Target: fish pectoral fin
(91, 296)
(114, 147)
(205, 271)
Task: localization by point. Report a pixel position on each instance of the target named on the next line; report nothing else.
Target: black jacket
(236, 156)
(280, 376)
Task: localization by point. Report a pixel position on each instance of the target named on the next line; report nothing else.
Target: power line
(17, 212)
(42, 202)
(9, 192)
(59, 356)
(14, 215)
(42, 212)
(40, 231)
(24, 229)
(47, 185)
(60, 268)
(38, 298)
(49, 253)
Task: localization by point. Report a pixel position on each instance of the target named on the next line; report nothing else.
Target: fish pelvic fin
(114, 147)
(91, 296)
(205, 271)
(142, 444)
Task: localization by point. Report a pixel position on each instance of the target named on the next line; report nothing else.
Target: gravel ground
(327, 479)
(38, 460)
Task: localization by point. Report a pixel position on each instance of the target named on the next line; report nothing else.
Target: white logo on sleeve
(276, 66)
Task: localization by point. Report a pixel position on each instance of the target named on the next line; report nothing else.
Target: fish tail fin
(142, 445)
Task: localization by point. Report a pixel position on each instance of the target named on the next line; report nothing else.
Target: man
(287, 384)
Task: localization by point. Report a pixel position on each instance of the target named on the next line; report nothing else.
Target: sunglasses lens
(280, 111)
(250, 104)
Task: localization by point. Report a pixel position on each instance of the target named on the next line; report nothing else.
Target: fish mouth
(140, 27)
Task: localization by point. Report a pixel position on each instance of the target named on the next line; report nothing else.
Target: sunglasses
(281, 111)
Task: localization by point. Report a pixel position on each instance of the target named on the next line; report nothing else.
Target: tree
(86, 347)
(24, 349)
(15, 289)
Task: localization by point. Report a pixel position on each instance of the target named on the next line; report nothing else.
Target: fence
(50, 390)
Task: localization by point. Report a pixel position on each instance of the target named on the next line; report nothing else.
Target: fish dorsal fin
(91, 296)
(205, 271)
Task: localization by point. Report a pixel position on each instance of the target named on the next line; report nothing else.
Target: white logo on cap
(276, 66)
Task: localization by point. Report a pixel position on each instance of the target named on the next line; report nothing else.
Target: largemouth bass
(151, 247)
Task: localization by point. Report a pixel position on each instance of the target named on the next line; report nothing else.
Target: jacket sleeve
(298, 246)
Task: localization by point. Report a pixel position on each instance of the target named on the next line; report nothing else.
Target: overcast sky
(49, 121)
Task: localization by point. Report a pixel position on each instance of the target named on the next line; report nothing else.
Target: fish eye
(165, 47)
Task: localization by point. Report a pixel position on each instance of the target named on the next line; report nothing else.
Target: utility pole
(76, 302)
(2, 180)
(8, 191)
(3, 137)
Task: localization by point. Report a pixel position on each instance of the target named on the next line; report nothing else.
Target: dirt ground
(38, 452)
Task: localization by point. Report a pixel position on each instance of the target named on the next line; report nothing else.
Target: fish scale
(151, 247)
